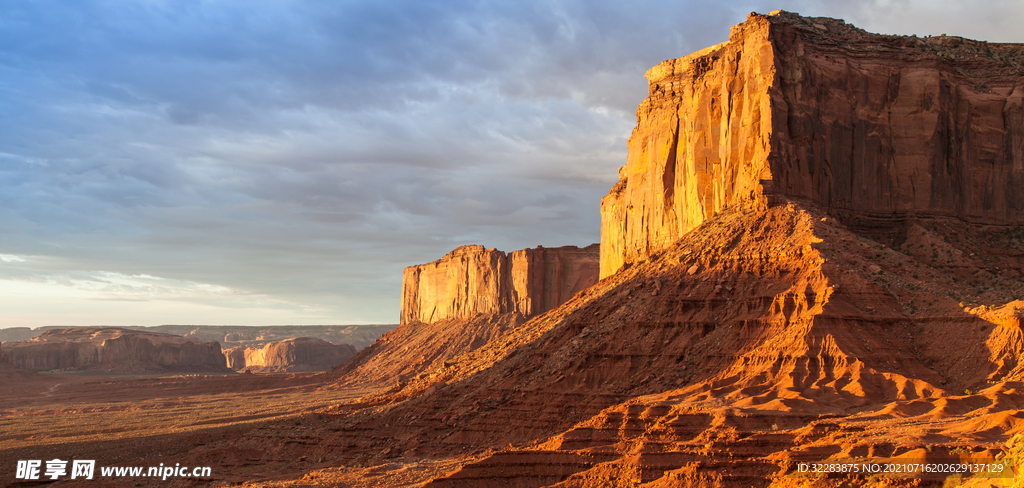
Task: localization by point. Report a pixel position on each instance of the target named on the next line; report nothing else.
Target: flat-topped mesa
(472, 280)
(874, 128)
(114, 349)
(298, 354)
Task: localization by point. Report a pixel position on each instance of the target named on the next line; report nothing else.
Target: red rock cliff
(295, 354)
(875, 128)
(472, 280)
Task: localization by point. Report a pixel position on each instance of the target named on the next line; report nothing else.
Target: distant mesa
(5, 362)
(11, 376)
(469, 298)
(472, 280)
(285, 348)
(359, 336)
(299, 354)
(109, 349)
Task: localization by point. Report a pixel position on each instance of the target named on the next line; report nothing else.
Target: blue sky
(268, 162)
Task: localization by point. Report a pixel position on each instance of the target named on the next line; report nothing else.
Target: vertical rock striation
(468, 281)
(472, 280)
(544, 278)
(875, 128)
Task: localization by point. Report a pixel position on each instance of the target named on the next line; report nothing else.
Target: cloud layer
(264, 162)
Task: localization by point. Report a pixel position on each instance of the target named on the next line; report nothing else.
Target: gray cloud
(296, 155)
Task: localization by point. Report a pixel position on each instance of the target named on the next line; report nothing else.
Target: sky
(259, 162)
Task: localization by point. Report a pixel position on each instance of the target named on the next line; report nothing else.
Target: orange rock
(472, 280)
(299, 354)
(235, 357)
(875, 128)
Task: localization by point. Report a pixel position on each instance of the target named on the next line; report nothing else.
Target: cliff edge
(469, 298)
(877, 129)
(472, 280)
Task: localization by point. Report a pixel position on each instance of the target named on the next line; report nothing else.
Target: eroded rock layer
(754, 329)
(5, 362)
(770, 334)
(291, 355)
(874, 128)
(738, 347)
(472, 280)
(112, 349)
(407, 354)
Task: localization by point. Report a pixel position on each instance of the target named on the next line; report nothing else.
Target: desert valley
(812, 263)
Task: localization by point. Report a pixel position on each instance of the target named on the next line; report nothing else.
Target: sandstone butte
(875, 129)
(813, 255)
(472, 280)
(468, 298)
(298, 354)
(116, 350)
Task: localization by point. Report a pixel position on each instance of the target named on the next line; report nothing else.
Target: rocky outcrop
(469, 298)
(359, 336)
(113, 349)
(472, 280)
(739, 343)
(235, 357)
(876, 129)
(544, 278)
(12, 378)
(297, 354)
(5, 362)
(401, 356)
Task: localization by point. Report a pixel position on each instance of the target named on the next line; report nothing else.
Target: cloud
(307, 151)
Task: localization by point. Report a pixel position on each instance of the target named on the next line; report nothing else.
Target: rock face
(876, 129)
(469, 298)
(12, 378)
(753, 329)
(5, 362)
(472, 280)
(291, 355)
(359, 336)
(235, 357)
(112, 349)
(402, 354)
